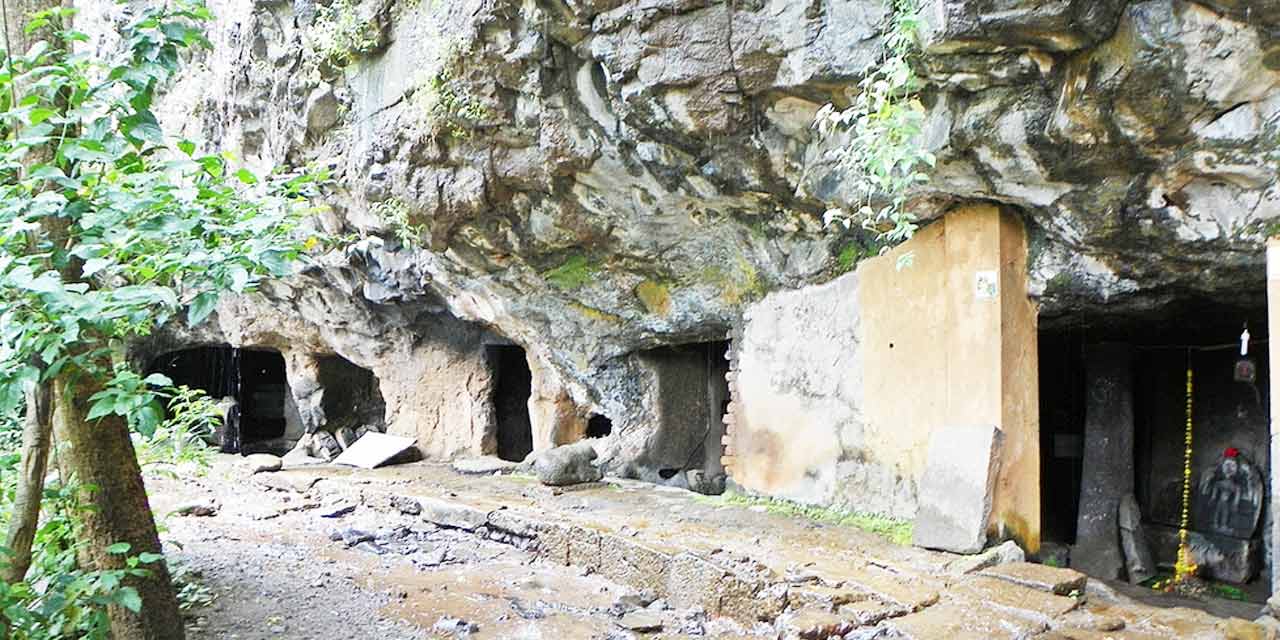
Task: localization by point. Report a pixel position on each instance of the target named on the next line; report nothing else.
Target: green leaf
(158, 380)
(147, 418)
(142, 127)
(128, 598)
(119, 548)
(212, 165)
(103, 407)
(40, 114)
(94, 265)
(201, 307)
(239, 278)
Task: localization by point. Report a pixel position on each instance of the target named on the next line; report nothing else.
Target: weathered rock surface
(262, 462)
(598, 178)
(1140, 565)
(1219, 557)
(1003, 553)
(567, 464)
(1055, 580)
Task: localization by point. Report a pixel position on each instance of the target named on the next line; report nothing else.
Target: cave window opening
(511, 391)
(254, 378)
(352, 396)
(1230, 413)
(599, 426)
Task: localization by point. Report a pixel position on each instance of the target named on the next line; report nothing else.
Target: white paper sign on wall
(986, 285)
(1273, 261)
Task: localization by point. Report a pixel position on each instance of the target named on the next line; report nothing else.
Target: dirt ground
(283, 566)
(420, 551)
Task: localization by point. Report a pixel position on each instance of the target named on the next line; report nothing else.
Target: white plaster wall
(799, 431)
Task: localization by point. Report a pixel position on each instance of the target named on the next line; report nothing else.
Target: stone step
(962, 621)
(1041, 577)
(993, 593)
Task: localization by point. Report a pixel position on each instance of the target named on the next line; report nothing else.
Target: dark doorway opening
(352, 396)
(1230, 413)
(693, 397)
(599, 426)
(1062, 406)
(511, 391)
(254, 378)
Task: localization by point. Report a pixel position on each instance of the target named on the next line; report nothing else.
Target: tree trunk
(26, 502)
(101, 454)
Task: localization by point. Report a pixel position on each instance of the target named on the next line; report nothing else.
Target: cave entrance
(511, 390)
(693, 398)
(1113, 415)
(352, 396)
(254, 378)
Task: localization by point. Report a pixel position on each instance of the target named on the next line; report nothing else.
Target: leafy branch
(884, 154)
(118, 228)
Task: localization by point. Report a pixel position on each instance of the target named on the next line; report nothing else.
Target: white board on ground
(374, 449)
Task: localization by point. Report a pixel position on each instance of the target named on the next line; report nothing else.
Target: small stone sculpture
(1231, 495)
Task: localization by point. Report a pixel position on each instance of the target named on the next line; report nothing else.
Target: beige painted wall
(839, 387)
(904, 328)
(1015, 513)
(939, 352)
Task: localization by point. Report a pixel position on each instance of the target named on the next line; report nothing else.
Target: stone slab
(641, 621)
(870, 612)
(454, 515)
(1041, 577)
(691, 582)
(634, 564)
(484, 466)
(1070, 633)
(1219, 557)
(584, 547)
(374, 450)
(957, 488)
(263, 463)
(911, 593)
(1013, 599)
(1004, 553)
(1139, 563)
(812, 624)
(816, 596)
(962, 621)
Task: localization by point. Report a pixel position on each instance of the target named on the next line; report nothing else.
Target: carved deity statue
(1230, 495)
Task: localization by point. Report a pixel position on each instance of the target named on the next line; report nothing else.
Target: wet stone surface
(321, 567)
(420, 551)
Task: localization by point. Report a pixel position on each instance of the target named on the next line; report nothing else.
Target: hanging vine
(884, 154)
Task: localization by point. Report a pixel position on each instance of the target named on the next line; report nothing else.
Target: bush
(180, 441)
(59, 600)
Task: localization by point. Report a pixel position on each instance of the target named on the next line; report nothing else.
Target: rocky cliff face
(592, 178)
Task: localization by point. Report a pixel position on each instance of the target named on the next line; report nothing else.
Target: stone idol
(1229, 499)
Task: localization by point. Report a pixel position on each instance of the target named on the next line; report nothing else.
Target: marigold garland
(1185, 568)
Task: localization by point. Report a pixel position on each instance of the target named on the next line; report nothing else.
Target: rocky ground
(421, 551)
(283, 566)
